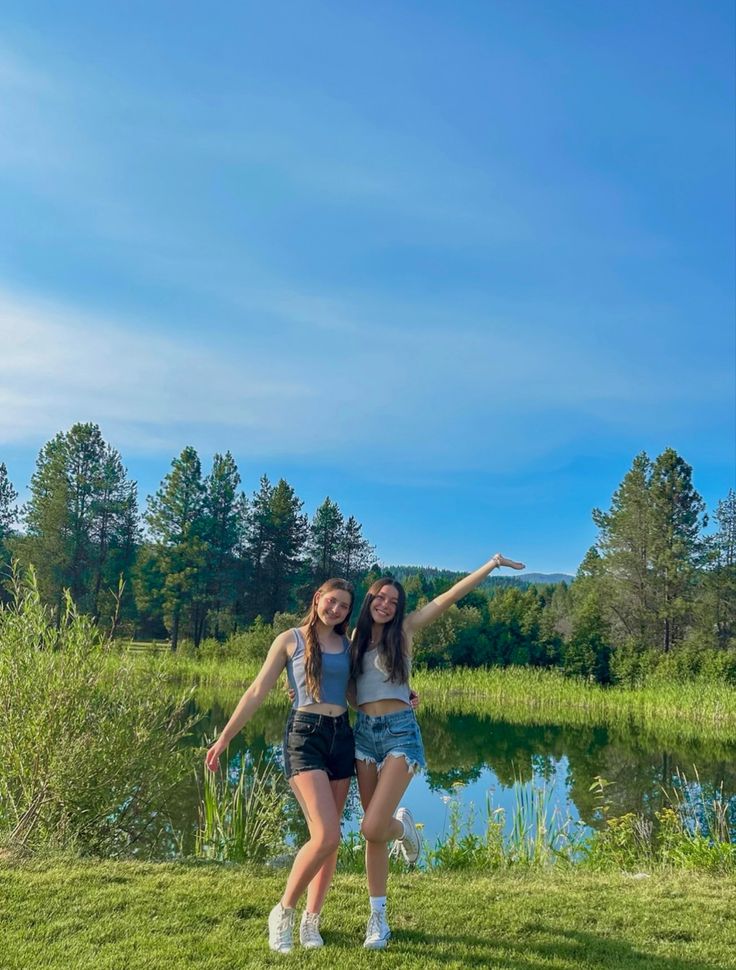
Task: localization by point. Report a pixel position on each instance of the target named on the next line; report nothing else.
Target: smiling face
(384, 604)
(333, 606)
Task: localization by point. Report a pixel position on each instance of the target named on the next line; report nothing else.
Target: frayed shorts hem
(414, 766)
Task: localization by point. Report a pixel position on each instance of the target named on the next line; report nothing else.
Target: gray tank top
(373, 684)
(333, 682)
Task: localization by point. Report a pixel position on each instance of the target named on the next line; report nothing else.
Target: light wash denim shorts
(395, 734)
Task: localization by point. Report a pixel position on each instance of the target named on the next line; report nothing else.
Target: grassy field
(680, 712)
(61, 913)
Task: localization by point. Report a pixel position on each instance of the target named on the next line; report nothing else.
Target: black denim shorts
(318, 742)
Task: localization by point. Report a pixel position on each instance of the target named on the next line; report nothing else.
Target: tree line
(658, 587)
(201, 559)
(656, 590)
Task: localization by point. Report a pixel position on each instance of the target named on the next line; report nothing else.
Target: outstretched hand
(212, 758)
(510, 563)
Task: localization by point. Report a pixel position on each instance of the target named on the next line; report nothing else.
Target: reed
(701, 709)
(693, 832)
(242, 818)
(536, 836)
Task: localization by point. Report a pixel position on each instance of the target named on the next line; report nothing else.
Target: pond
(476, 761)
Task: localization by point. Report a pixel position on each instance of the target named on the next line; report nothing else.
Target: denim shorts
(318, 742)
(394, 734)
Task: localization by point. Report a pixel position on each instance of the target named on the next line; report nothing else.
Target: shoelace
(376, 925)
(310, 927)
(284, 927)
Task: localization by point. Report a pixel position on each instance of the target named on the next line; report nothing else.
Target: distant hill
(506, 578)
(545, 578)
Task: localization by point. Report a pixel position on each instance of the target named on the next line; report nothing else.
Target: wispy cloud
(445, 399)
(59, 365)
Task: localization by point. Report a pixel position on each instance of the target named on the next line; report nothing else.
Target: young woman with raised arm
(319, 753)
(388, 745)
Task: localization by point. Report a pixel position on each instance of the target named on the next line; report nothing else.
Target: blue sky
(452, 264)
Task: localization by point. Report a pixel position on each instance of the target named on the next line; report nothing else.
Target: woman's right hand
(212, 758)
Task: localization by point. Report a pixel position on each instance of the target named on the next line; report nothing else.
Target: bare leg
(380, 795)
(315, 796)
(321, 882)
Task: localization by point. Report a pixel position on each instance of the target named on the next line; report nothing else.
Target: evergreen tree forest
(654, 596)
(202, 559)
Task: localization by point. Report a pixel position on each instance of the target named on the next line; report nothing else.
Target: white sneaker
(377, 932)
(411, 844)
(309, 935)
(280, 929)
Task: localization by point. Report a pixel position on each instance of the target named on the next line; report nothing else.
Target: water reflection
(470, 757)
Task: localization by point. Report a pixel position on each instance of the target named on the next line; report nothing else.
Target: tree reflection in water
(462, 750)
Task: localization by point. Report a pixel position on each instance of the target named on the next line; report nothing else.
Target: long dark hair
(312, 652)
(392, 648)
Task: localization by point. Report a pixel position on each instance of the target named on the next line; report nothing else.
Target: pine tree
(625, 544)
(651, 549)
(275, 535)
(677, 549)
(587, 650)
(256, 543)
(8, 498)
(176, 521)
(717, 604)
(284, 555)
(224, 511)
(356, 553)
(48, 523)
(325, 542)
(81, 509)
(114, 527)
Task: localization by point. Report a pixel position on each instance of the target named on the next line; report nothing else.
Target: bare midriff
(331, 710)
(389, 706)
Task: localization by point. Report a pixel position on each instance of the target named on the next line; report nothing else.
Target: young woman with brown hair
(388, 745)
(319, 751)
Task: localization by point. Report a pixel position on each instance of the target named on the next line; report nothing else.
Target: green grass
(702, 710)
(58, 913)
(699, 710)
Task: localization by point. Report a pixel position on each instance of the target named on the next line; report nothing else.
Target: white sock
(378, 904)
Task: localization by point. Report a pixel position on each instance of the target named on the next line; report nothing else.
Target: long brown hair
(312, 651)
(391, 649)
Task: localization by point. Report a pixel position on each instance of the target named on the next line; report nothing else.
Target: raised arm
(436, 607)
(253, 697)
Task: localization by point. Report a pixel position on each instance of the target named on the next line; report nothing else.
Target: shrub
(89, 740)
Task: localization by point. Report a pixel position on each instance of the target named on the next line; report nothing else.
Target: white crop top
(373, 684)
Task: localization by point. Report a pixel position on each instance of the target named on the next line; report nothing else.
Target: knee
(327, 841)
(373, 830)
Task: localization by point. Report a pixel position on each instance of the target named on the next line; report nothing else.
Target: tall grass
(90, 743)
(537, 834)
(693, 832)
(699, 710)
(242, 819)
